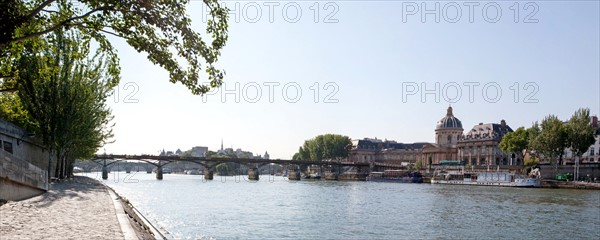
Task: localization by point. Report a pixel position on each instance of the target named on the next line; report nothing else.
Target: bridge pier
(159, 173)
(127, 169)
(332, 173)
(294, 174)
(253, 173)
(104, 172)
(208, 174)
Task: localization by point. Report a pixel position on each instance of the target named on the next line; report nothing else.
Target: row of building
(200, 151)
(477, 147)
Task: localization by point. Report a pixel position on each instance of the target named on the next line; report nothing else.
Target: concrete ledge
(128, 231)
(569, 184)
(15, 191)
(131, 220)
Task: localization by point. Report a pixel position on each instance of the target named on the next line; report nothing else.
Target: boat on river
(313, 176)
(193, 172)
(488, 178)
(400, 176)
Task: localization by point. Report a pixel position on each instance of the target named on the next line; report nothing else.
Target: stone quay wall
(591, 169)
(23, 164)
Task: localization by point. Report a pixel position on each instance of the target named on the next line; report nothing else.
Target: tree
(64, 94)
(154, 27)
(580, 134)
(325, 147)
(186, 154)
(13, 111)
(210, 154)
(419, 165)
(515, 142)
(552, 139)
(301, 154)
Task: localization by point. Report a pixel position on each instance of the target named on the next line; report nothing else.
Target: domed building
(448, 131)
(478, 147)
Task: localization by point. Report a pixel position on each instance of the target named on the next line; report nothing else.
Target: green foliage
(419, 165)
(325, 147)
(580, 132)
(227, 169)
(552, 139)
(13, 111)
(516, 141)
(156, 28)
(210, 154)
(64, 94)
(185, 154)
(532, 133)
(532, 161)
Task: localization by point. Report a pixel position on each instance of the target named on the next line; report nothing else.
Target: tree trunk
(70, 169)
(58, 166)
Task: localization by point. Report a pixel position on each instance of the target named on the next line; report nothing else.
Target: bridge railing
(249, 160)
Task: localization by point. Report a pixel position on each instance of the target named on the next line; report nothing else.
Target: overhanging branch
(55, 27)
(8, 89)
(39, 9)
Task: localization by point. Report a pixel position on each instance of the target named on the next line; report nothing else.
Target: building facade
(479, 146)
(385, 151)
(199, 151)
(448, 131)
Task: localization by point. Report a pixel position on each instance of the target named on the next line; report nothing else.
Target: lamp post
(576, 173)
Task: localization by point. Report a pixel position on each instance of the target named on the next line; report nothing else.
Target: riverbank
(570, 184)
(80, 208)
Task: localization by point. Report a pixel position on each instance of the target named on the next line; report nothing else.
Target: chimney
(502, 123)
(595, 121)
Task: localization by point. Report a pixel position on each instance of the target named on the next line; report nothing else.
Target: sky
(385, 69)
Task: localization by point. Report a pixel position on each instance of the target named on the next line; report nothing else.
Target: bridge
(332, 171)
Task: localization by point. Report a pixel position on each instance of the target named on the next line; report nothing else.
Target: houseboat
(489, 178)
(400, 176)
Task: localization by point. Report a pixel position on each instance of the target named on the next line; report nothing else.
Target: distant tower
(266, 155)
(221, 144)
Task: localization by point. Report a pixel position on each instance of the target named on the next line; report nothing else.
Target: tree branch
(51, 11)
(55, 27)
(39, 9)
(114, 34)
(12, 89)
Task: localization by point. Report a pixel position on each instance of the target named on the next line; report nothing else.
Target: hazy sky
(375, 65)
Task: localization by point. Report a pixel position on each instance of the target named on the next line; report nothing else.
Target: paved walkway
(77, 209)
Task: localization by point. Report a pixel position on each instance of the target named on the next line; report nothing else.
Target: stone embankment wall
(591, 169)
(23, 164)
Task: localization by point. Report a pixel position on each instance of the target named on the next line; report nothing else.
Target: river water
(188, 207)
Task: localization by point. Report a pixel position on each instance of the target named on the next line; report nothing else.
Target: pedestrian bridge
(330, 169)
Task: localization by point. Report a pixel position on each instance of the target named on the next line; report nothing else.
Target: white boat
(192, 172)
(490, 178)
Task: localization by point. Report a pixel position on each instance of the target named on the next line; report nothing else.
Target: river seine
(188, 207)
